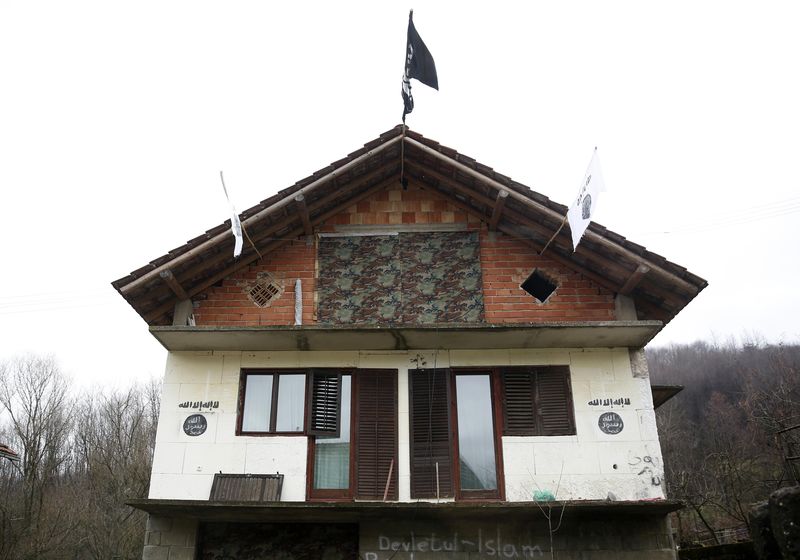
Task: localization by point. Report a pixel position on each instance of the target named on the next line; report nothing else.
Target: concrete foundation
(579, 537)
(491, 539)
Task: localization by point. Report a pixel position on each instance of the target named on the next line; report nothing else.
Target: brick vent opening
(539, 286)
(264, 291)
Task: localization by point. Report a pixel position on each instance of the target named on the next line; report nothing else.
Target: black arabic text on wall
(409, 278)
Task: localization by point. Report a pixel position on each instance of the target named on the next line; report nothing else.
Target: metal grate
(246, 488)
(263, 293)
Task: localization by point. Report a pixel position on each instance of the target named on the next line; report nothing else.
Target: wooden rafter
(174, 285)
(279, 205)
(553, 215)
(497, 211)
(287, 221)
(518, 217)
(513, 232)
(562, 241)
(300, 203)
(634, 279)
(248, 257)
(661, 288)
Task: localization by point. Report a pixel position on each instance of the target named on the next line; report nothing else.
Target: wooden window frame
(276, 373)
(334, 494)
(478, 495)
(349, 494)
(499, 417)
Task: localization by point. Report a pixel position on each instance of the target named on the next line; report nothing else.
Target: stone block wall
(170, 539)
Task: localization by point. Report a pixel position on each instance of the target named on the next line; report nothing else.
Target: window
(349, 416)
(457, 418)
(361, 460)
(332, 452)
(455, 447)
(537, 401)
(272, 402)
(476, 437)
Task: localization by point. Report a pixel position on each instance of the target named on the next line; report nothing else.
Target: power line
(738, 217)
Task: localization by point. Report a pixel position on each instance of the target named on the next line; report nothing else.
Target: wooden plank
(497, 211)
(300, 203)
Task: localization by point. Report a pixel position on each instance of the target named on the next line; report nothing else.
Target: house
(7, 453)
(393, 370)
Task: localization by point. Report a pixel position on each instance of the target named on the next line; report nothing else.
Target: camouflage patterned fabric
(411, 278)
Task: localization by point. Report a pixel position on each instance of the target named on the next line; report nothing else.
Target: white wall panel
(183, 466)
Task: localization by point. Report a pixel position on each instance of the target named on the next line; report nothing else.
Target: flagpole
(564, 221)
(420, 66)
(403, 180)
(247, 235)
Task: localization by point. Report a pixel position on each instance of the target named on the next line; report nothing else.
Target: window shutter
(324, 403)
(519, 395)
(430, 433)
(376, 434)
(554, 402)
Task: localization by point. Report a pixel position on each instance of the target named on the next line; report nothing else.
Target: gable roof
(659, 288)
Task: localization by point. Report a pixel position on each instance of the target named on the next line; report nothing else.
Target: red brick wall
(228, 305)
(396, 206)
(505, 263)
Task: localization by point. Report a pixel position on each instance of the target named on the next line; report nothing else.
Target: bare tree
(82, 456)
(34, 397)
(115, 436)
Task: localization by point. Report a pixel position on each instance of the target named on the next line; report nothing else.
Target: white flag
(236, 224)
(236, 228)
(581, 211)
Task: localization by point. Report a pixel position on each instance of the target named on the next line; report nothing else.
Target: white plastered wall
(588, 465)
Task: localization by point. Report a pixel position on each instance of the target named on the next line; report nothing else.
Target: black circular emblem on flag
(586, 207)
(610, 423)
(195, 425)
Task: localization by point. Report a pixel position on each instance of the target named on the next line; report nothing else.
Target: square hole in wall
(539, 286)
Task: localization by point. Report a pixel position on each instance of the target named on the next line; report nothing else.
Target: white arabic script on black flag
(419, 65)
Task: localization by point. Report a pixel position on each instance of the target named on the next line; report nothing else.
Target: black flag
(419, 65)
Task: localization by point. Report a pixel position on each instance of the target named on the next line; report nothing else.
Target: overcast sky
(116, 118)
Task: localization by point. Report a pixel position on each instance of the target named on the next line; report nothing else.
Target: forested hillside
(81, 456)
(719, 436)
